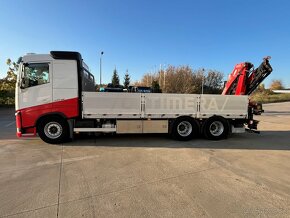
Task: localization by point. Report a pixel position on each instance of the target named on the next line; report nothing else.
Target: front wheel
(53, 130)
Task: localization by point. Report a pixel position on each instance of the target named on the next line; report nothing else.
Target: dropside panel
(111, 105)
(162, 106)
(159, 105)
(228, 106)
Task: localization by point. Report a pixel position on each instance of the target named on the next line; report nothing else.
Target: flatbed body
(106, 105)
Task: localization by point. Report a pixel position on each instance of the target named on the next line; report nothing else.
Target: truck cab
(49, 86)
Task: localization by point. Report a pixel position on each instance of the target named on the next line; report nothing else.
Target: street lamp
(202, 82)
(164, 75)
(101, 68)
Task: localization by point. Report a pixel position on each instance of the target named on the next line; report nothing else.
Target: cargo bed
(162, 105)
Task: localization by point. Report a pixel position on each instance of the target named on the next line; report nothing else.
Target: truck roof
(65, 55)
(36, 57)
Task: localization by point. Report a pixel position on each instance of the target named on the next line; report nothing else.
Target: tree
(276, 85)
(261, 87)
(147, 79)
(115, 79)
(126, 80)
(198, 77)
(155, 87)
(7, 84)
(213, 82)
(183, 79)
(176, 79)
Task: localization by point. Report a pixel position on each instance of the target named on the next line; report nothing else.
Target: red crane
(245, 79)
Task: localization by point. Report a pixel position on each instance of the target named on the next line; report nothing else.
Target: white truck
(56, 97)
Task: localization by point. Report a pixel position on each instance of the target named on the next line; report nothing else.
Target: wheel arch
(50, 115)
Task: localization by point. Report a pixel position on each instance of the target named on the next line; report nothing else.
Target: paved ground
(148, 176)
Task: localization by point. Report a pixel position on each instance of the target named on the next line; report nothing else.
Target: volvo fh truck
(56, 97)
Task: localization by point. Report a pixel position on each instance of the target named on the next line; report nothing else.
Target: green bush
(270, 97)
(7, 97)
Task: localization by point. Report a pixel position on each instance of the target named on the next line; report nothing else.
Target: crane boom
(245, 79)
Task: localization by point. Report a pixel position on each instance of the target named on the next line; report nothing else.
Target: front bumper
(20, 132)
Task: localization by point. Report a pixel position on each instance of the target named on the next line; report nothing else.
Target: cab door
(35, 92)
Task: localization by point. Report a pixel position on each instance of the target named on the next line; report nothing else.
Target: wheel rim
(216, 128)
(184, 128)
(53, 130)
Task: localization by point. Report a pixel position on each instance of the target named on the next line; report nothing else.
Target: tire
(184, 129)
(216, 128)
(53, 130)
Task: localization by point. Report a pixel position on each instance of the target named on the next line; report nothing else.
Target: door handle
(45, 100)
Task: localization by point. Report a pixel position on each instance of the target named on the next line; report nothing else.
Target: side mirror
(22, 83)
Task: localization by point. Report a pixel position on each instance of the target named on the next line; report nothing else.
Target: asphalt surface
(247, 175)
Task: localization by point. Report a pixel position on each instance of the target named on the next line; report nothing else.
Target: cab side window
(36, 74)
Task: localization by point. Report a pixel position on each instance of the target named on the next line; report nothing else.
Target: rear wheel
(53, 130)
(184, 129)
(216, 128)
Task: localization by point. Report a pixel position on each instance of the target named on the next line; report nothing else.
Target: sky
(140, 36)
